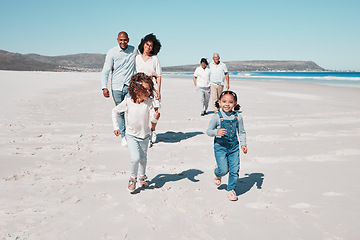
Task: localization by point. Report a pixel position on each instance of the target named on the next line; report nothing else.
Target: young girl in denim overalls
(226, 126)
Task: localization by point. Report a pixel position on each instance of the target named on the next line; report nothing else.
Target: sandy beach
(64, 173)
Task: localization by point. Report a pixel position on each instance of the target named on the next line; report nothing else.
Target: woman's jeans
(138, 153)
(227, 156)
(118, 96)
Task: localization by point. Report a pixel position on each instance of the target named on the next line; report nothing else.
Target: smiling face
(123, 40)
(203, 65)
(148, 47)
(216, 59)
(227, 102)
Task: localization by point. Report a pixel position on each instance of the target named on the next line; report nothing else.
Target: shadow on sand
(174, 137)
(160, 180)
(246, 183)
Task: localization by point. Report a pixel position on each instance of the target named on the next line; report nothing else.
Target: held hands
(106, 93)
(117, 132)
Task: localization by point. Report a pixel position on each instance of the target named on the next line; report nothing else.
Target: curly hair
(136, 85)
(236, 108)
(150, 38)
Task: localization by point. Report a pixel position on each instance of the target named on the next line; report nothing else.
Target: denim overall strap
(230, 126)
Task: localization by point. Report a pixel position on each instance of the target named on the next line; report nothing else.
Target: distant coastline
(91, 62)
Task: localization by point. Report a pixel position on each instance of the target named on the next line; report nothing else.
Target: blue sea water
(335, 79)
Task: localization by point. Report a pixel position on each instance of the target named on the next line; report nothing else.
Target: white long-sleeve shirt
(137, 117)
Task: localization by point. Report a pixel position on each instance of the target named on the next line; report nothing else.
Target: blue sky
(324, 31)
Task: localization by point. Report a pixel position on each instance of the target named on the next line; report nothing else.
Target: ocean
(335, 79)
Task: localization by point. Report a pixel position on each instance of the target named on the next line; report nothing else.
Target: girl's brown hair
(136, 85)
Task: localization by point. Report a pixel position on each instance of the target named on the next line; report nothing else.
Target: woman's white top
(151, 67)
(202, 77)
(137, 116)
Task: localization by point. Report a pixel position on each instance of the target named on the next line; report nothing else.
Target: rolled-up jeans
(138, 153)
(227, 155)
(118, 96)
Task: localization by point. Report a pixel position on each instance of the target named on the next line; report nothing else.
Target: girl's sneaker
(143, 182)
(232, 195)
(153, 137)
(123, 142)
(132, 184)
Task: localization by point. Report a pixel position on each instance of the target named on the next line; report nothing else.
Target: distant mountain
(256, 66)
(94, 62)
(76, 62)
(35, 62)
(19, 62)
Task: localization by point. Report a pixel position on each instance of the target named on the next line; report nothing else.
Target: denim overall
(227, 152)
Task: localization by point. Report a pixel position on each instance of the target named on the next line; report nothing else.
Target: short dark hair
(203, 60)
(136, 85)
(150, 38)
(236, 108)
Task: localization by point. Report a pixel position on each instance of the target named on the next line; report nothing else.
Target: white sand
(64, 174)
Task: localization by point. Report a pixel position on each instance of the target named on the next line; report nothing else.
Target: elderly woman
(202, 84)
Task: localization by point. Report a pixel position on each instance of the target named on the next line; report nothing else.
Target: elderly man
(218, 75)
(119, 60)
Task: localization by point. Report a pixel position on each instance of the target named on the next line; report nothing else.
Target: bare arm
(158, 82)
(195, 80)
(227, 80)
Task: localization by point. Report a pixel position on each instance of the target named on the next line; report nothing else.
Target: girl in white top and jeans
(138, 112)
(147, 62)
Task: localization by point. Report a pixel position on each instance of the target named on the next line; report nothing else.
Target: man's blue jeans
(118, 96)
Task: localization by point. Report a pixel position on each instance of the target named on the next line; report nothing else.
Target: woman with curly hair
(138, 111)
(147, 62)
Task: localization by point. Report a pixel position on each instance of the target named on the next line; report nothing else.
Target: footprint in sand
(301, 205)
(333, 194)
(104, 196)
(259, 205)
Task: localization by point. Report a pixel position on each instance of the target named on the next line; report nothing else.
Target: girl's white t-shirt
(202, 77)
(137, 116)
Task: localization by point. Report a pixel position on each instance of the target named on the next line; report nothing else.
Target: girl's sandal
(143, 182)
(217, 181)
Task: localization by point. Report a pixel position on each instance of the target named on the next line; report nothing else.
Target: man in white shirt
(120, 61)
(218, 74)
